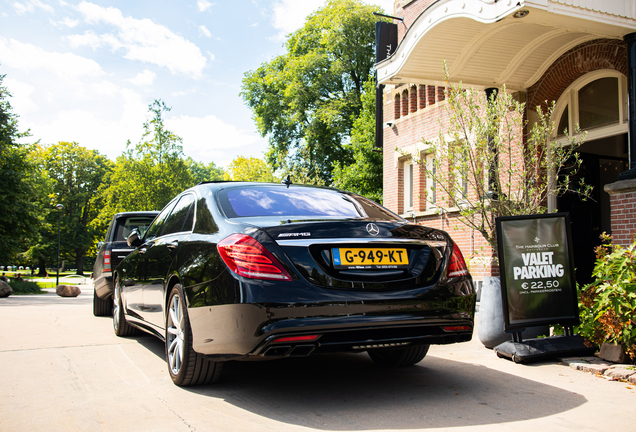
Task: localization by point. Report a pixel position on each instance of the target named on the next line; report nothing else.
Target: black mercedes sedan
(253, 271)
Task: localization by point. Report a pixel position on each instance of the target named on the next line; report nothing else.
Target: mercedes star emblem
(373, 229)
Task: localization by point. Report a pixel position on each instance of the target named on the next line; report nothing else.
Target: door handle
(173, 244)
(142, 250)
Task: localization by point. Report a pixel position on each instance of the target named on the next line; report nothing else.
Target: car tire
(102, 307)
(186, 366)
(399, 357)
(120, 325)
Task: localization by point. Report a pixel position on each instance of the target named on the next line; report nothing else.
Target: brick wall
(409, 127)
(623, 205)
(409, 10)
(580, 60)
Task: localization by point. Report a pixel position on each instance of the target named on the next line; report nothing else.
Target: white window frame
(409, 183)
(431, 184)
(570, 98)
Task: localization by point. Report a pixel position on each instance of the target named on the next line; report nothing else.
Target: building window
(431, 185)
(405, 103)
(596, 102)
(396, 107)
(408, 186)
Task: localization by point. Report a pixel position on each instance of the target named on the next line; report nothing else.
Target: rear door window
(181, 217)
(126, 225)
(155, 229)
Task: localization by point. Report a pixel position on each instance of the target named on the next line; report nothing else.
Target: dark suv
(111, 251)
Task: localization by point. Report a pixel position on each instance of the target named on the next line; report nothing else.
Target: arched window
(397, 107)
(596, 102)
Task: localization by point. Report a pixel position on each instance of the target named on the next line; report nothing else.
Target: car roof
(137, 213)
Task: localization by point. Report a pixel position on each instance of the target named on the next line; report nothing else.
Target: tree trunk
(42, 265)
(79, 261)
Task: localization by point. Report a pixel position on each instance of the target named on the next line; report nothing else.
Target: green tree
(202, 173)
(249, 169)
(19, 217)
(77, 174)
(148, 175)
(306, 100)
(364, 175)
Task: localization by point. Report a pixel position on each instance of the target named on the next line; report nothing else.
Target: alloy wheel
(175, 335)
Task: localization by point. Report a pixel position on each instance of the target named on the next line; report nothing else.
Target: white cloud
(145, 78)
(205, 31)
(290, 15)
(95, 129)
(211, 56)
(66, 22)
(21, 93)
(104, 88)
(140, 39)
(210, 139)
(30, 6)
(28, 58)
(204, 5)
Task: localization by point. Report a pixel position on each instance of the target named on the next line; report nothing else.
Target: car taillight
(247, 257)
(457, 265)
(106, 260)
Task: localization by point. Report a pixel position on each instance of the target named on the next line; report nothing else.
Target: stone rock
(632, 379)
(613, 353)
(591, 367)
(5, 289)
(570, 361)
(68, 291)
(617, 373)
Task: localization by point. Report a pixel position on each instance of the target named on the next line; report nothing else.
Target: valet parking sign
(537, 270)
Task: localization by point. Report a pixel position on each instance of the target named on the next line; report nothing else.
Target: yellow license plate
(370, 258)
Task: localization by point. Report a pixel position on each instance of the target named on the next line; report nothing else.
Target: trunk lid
(362, 254)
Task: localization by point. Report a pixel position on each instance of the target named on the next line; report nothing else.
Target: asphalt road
(62, 369)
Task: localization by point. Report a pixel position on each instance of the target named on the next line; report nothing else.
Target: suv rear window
(126, 225)
(298, 201)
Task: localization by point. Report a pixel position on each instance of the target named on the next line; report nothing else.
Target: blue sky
(86, 71)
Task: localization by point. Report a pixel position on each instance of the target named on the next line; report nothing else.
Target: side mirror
(133, 239)
(100, 244)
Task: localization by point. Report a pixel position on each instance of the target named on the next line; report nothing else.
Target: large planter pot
(490, 327)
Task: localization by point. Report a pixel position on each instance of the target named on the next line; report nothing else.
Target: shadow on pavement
(314, 392)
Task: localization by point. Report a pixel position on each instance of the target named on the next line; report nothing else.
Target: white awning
(487, 43)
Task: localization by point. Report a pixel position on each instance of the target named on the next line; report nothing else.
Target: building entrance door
(603, 160)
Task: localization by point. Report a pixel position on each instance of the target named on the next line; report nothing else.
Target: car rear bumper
(253, 330)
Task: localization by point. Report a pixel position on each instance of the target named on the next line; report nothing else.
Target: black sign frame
(525, 304)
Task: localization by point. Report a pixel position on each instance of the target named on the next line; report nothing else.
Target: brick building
(579, 53)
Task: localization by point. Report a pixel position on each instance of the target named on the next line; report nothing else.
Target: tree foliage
(149, 174)
(19, 218)
(77, 174)
(364, 175)
(307, 99)
(203, 173)
(486, 168)
(248, 169)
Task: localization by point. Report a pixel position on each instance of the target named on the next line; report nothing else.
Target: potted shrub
(608, 305)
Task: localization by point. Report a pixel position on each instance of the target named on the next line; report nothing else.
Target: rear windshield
(126, 225)
(298, 201)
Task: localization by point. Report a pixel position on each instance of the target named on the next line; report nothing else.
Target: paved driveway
(63, 369)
